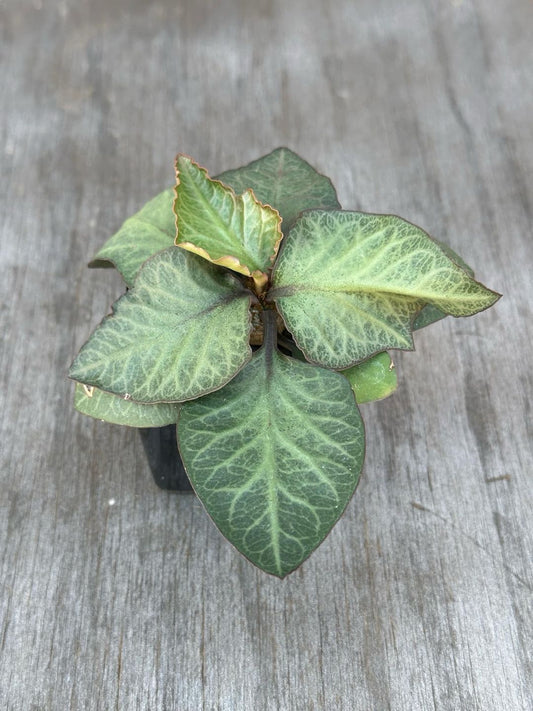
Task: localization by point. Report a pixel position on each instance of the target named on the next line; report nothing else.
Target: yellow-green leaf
(373, 379)
(349, 284)
(281, 179)
(234, 231)
(430, 313)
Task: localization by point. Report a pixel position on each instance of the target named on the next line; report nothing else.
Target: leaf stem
(270, 334)
(289, 345)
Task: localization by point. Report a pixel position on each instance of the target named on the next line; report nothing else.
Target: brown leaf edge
(260, 278)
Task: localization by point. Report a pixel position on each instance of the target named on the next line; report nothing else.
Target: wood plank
(116, 595)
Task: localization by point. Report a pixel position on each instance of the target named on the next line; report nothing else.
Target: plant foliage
(258, 316)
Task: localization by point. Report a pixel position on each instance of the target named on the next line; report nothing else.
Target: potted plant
(258, 315)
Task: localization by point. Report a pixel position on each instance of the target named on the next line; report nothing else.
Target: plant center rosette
(258, 317)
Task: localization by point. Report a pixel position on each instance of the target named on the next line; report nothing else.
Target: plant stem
(270, 328)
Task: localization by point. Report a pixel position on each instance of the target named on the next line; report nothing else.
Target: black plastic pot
(163, 457)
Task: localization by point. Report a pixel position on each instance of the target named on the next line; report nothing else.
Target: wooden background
(116, 595)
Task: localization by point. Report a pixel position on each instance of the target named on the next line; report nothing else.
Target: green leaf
(182, 331)
(115, 409)
(349, 284)
(234, 231)
(280, 179)
(275, 457)
(149, 231)
(373, 379)
(430, 314)
(285, 181)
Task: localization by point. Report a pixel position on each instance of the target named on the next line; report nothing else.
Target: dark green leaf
(373, 379)
(286, 182)
(149, 231)
(275, 457)
(182, 331)
(429, 314)
(115, 409)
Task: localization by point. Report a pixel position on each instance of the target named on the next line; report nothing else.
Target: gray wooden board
(116, 595)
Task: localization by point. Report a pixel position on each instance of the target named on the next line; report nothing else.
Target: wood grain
(116, 595)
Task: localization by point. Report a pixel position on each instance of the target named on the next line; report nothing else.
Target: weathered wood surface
(116, 595)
